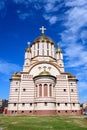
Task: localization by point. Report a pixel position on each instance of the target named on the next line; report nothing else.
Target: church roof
(28, 49)
(16, 74)
(43, 38)
(70, 75)
(45, 73)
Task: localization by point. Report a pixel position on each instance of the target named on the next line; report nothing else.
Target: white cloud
(84, 99)
(23, 16)
(19, 1)
(27, 2)
(77, 55)
(81, 73)
(83, 35)
(2, 5)
(37, 6)
(74, 36)
(50, 7)
(74, 50)
(7, 68)
(76, 18)
(82, 86)
(75, 21)
(72, 3)
(52, 19)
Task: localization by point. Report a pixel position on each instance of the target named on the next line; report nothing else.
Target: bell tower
(59, 57)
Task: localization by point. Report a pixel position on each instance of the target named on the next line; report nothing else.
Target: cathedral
(43, 87)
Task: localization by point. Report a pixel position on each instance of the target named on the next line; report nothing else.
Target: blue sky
(66, 22)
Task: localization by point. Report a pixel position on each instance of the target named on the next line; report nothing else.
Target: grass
(43, 122)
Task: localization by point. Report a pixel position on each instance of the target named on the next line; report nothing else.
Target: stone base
(44, 112)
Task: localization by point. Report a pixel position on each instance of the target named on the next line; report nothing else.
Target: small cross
(39, 68)
(58, 45)
(49, 68)
(43, 29)
(44, 68)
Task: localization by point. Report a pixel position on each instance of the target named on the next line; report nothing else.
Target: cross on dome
(28, 43)
(44, 68)
(43, 29)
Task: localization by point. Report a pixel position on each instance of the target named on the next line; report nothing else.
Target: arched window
(24, 90)
(16, 90)
(45, 90)
(36, 90)
(50, 90)
(38, 49)
(40, 90)
(42, 48)
(47, 49)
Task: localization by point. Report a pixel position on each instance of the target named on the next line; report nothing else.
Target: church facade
(43, 87)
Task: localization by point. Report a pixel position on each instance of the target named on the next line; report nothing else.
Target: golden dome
(59, 49)
(44, 73)
(28, 49)
(43, 38)
(16, 74)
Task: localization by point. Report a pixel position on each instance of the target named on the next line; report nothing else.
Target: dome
(45, 73)
(59, 49)
(43, 38)
(28, 49)
(16, 74)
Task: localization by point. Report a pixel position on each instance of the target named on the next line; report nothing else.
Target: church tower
(43, 87)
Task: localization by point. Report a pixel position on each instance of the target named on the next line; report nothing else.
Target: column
(32, 50)
(38, 91)
(45, 90)
(42, 90)
(35, 49)
(48, 90)
(52, 91)
(40, 48)
(45, 49)
(53, 50)
(50, 49)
